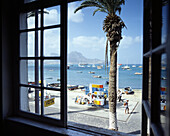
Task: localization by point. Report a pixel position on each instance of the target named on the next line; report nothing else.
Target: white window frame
(35, 6)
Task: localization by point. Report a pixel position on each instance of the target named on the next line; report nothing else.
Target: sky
(86, 36)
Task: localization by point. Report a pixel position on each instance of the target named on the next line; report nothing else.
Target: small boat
(163, 78)
(79, 72)
(53, 85)
(72, 87)
(49, 78)
(68, 67)
(97, 76)
(91, 72)
(128, 90)
(81, 86)
(140, 66)
(134, 66)
(125, 67)
(93, 66)
(107, 82)
(99, 67)
(137, 73)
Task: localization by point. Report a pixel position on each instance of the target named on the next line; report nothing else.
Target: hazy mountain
(76, 57)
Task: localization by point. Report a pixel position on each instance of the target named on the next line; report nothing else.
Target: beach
(97, 117)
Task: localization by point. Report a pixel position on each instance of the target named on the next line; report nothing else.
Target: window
(155, 69)
(37, 51)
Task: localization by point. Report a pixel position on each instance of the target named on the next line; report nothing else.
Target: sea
(77, 75)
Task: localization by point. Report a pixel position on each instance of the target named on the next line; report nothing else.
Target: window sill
(23, 126)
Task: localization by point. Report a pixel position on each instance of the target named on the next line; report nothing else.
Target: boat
(128, 90)
(99, 67)
(140, 66)
(72, 87)
(55, 85)
(137, 73)
(126, 67)
(107, 82)
(97, 76)
(93, 66)
(134, 66)
(79, 72)
(91, 72)
(82, 65)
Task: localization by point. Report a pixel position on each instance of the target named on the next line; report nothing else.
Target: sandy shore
(98, 116)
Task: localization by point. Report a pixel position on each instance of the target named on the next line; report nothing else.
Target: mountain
(76, 57)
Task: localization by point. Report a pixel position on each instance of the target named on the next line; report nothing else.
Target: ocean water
(80, 75)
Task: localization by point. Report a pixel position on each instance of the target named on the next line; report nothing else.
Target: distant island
(75, 57)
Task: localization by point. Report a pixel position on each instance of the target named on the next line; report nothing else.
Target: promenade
(92, 117)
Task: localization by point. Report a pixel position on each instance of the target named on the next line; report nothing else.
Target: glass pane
(28, 98)
(28, 1)
(163, 91)
(52, 42)
(164, 22)
(27, 20)
(27, 44)
(52, 73)
(27, 71)
(52, 103)
(52, 16)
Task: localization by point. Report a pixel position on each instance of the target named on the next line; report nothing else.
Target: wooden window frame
(153, 48)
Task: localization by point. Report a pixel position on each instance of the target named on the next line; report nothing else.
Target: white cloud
(74, 17)
(129, 40)
(89, 42)
(52, 18)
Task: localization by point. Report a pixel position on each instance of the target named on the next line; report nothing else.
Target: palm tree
(113, 26)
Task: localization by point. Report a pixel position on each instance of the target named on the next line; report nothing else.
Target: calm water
(80, 75)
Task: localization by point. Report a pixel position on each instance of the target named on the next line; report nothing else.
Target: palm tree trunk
(112, 87)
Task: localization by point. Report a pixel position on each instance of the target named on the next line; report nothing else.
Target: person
(119, 95)
(105, 97)
(126, 106)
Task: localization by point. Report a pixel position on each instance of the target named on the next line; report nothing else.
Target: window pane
(52, 16)
(164, 22)
(27, 44)
(163, 90)
(28, 1)
(52, 73)
(52, 103)
(52, 42)
(27, 72)
(27, 20)
(27, 99)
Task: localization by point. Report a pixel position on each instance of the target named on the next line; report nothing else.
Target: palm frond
(99, 9)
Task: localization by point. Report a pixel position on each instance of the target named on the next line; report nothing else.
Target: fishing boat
(128, 90)
(91, 72)
(93, 66)
(125, 67)
(99, 67)
(97, 76)
(72, 87)
(137, 73)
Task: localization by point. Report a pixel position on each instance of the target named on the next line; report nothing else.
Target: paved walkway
(98, 116)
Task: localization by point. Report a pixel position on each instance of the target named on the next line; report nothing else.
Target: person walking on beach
(127, 107)
(105, 97)
(119, 95)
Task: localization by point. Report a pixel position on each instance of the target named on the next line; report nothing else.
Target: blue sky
(86, 34)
